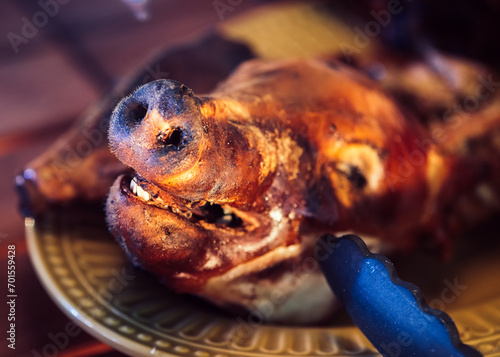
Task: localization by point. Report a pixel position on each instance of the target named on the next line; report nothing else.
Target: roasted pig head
(231, 190)
(78, 169)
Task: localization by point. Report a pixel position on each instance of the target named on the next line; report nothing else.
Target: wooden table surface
(47, 79)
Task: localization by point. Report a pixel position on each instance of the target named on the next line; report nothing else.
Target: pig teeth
(143, 194)
(133, 186)
(138, 190)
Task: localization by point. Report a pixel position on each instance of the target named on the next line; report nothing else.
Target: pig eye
(134, 113)
(171, 138)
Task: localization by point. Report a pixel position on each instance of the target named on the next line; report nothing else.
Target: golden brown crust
(292, 149)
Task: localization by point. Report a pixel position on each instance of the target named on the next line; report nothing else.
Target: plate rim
(82, 319)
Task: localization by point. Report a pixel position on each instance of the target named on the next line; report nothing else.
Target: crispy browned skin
(279, 153)
(79, 168)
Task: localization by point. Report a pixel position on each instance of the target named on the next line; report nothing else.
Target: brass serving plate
(88, 276)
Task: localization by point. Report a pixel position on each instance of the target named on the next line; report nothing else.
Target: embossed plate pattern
(87, 274)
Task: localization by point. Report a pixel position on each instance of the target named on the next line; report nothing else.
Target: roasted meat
(231, 190)
(79, 168)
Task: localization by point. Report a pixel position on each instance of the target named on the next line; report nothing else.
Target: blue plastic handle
(391, 313)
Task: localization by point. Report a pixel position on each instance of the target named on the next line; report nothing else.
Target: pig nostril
(173, 137)
(135, 112)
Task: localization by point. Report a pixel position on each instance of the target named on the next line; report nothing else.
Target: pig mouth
(208, 214)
